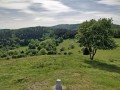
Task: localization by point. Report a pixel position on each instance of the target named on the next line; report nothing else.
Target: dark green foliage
(43, 37)
(5, 34)
(18, 56)
(71, 46)
(116, 30)
(22, 52)
(22, 37)
(8, 58)
(69, 53)
(31, 46)
(23, 42)
(58, 40)
(95, 35)
(48, 44)
(67, 26)
(31, 52)
(4, 55)
(52, 52)
(43, 51)
(39, 47)
(86, 51)
(59, 53)
(62, 49)
(65, 34)
(65, 53)
(12, 53)
(31, 33)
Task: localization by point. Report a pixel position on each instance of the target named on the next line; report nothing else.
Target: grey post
(58, 85)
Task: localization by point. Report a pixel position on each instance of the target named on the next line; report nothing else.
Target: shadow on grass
(103, 66)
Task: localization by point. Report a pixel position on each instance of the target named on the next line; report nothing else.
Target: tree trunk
(92, 54)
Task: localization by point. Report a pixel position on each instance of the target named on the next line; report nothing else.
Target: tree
(43, 51)
(96, 34)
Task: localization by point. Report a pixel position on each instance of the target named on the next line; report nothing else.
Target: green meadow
(76, 71)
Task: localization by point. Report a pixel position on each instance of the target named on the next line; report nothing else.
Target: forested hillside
(12, 39)
(116, 30)
(67, 26)
(35, 38)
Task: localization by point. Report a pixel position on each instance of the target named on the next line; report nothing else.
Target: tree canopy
(96, 34)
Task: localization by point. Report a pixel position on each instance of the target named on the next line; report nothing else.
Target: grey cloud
(79, 10)
(10, 14)
(37, 7)
(90, 5)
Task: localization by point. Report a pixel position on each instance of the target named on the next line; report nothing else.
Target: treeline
(116, 31)
(37, 40)
(22, 37)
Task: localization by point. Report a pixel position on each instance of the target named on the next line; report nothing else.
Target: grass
(75, 71)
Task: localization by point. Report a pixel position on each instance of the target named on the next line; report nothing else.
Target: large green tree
(96, 34)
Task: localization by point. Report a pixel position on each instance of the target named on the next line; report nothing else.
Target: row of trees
(35, 47)
(22, 37)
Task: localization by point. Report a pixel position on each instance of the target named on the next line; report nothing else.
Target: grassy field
(76, 71)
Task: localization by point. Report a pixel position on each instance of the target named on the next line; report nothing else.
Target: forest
(35, 38)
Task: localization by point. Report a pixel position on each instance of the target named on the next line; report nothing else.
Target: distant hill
(115, 26)
(66, 26)
(75, 26)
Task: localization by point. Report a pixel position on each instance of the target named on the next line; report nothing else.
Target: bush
(12, 53)
(31, 52)
(8, 57)
(69, 53)
(62, 49)
(71, 46)
(39, 47)
(59, 53)
(52, 52)
(65, 53)
(4, 55)
(18, 56)
(22, 52)
(43, 51)
(32, 46)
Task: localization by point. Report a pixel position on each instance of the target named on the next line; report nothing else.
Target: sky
(28, 13)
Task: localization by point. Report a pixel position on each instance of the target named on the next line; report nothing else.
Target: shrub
(71, 46)
(18, 56)
(31, 52)
(39, 47)
(8, 57)
(12, 53)
(65, 53)
(32, 46)
(52, 52)
(69, 53)
(22, 52)
(14, 56)
(62, 49)
(3, 55)
(59, 53)
(43, 51)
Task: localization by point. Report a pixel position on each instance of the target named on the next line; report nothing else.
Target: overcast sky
(27, 13)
